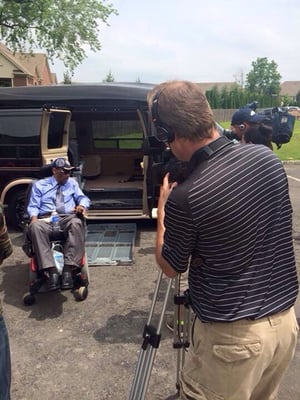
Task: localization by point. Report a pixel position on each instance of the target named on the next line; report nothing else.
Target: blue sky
(203, 41)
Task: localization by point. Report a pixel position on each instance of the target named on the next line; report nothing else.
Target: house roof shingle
(32, 65)
(290, 88)
(13, 59)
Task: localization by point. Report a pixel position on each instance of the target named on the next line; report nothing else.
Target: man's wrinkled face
(61, 175)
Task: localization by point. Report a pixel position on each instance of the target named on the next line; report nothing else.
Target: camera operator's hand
(165, 190)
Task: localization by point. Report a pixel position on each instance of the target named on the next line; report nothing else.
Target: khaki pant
(242, 360)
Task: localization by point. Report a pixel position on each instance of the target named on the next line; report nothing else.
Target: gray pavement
(62, 349)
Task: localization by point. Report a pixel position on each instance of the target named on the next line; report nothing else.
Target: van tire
(16, 209)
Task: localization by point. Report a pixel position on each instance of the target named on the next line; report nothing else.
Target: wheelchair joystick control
(55, 221)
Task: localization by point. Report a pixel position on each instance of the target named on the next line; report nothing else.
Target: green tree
(298, 98)
(213, 97)
(239, 78)
(63, 28)
(224, 97)
(263, 79)
(109, 77)
(235, 96)
(67, 78)
(285, 100)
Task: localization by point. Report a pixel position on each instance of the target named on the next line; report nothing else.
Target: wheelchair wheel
(81, 293)
(29, 299)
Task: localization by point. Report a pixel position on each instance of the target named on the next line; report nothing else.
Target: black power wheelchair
(37, 277)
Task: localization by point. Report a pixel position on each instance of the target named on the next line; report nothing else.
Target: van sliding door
(54, 134)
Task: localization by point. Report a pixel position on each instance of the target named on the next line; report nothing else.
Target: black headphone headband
(163, 132)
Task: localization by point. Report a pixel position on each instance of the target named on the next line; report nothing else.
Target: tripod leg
(186, 332)
(178, 325)
(147, 354)
(182, 319)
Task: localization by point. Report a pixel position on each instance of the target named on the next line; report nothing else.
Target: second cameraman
(243, 119)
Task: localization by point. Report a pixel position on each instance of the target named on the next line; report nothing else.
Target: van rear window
(19, 136)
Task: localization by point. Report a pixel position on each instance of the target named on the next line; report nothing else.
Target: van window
(56, 130)
(19, 136)
(122, 135)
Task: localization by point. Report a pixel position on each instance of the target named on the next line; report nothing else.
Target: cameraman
(229, 223)
(243, 119)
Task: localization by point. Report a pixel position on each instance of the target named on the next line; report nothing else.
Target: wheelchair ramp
(110, 244)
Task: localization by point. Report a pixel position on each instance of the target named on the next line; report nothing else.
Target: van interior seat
(91, 165)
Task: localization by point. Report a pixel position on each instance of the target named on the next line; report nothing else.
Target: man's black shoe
(53, 279)
(67, 280)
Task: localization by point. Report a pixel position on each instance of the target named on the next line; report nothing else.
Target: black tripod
(152, 336)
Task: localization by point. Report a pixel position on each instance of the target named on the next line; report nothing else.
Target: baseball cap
(62, 163)
(246, 115)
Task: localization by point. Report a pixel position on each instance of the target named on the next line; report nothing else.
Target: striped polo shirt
(230, 222)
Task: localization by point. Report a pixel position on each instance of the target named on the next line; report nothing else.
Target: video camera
(282, 124)
(253, 105)
(163, 161)
(177, 170)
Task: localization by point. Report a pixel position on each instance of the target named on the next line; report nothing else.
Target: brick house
(24, 69)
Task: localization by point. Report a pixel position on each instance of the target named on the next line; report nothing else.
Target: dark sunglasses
(64, 171)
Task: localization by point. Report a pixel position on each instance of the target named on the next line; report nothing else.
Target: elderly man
(62, 193)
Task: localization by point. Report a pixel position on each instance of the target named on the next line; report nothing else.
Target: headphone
(163, 132)
(242, 126)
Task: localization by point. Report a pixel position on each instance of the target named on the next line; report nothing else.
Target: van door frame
(48, 155)
(148, 189)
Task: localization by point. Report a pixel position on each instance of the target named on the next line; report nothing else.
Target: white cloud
(167, 39)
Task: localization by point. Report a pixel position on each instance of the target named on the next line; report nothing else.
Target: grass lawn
(288, 151)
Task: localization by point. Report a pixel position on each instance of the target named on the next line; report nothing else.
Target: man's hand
(79, 209)
(165, 190)
(33, 219)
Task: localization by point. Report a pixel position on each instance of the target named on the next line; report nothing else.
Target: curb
(296, 162)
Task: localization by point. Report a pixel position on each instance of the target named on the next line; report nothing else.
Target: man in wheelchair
(58, 192)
